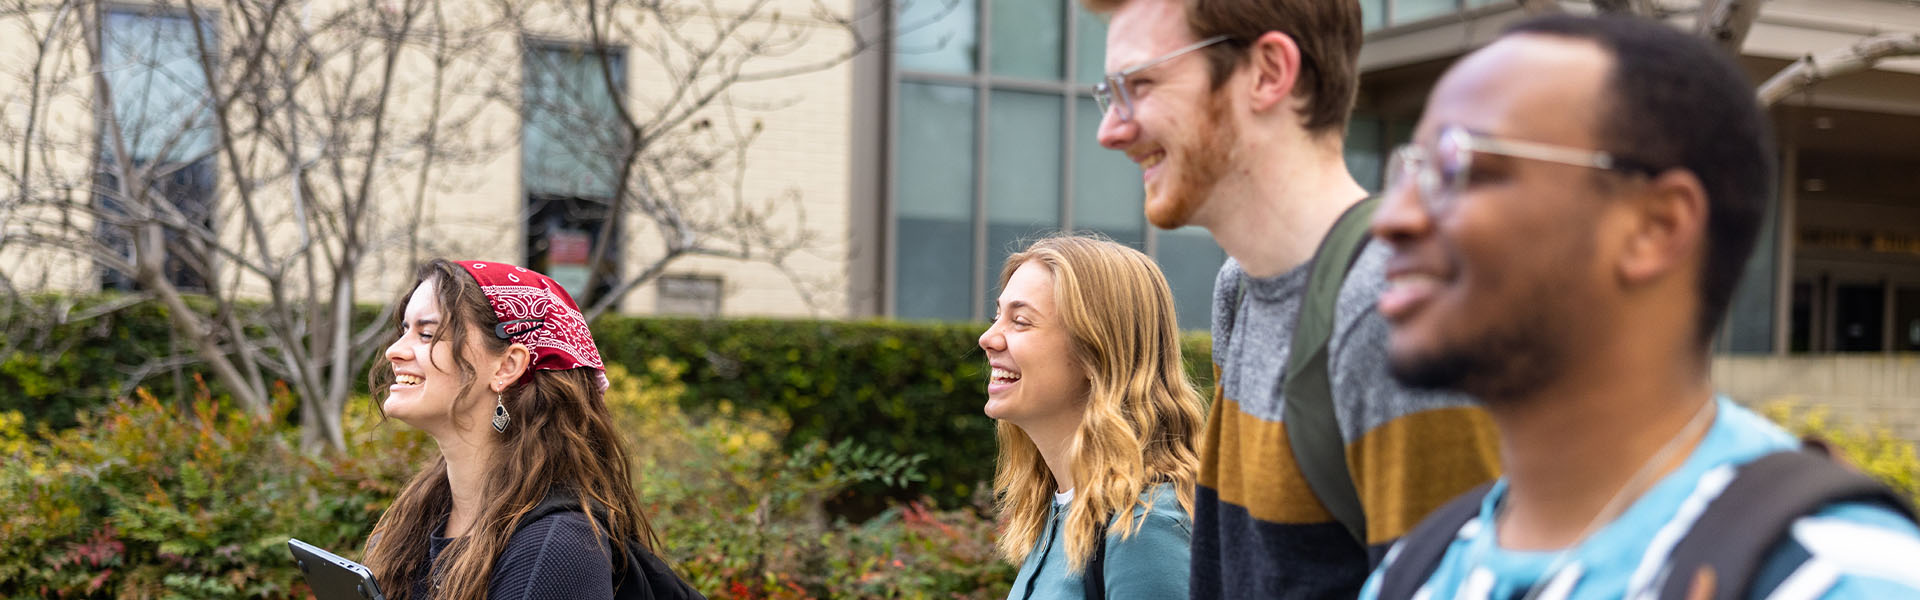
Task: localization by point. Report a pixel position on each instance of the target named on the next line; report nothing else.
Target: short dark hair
(1675, 101)
(1328, 33)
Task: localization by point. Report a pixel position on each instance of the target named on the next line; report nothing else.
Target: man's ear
(1276, 69)
(1669, 228)
(511, 365)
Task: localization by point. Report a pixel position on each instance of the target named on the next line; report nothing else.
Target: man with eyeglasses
(1235, 111)
(1567, 229)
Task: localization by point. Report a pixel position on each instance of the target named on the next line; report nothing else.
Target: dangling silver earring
(500, 417)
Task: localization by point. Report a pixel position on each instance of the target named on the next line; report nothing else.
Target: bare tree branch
(1814, 68)
(1726, 22)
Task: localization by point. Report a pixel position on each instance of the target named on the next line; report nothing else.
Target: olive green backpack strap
(1313, 431)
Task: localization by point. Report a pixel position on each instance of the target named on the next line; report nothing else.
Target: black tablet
(332, 577)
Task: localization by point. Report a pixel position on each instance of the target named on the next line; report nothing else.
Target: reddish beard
(1202, 162)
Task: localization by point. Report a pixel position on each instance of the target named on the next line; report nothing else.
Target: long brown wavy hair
(1143, 413)
(562, 440)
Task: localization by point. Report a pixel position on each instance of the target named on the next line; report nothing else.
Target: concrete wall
(1880, 391)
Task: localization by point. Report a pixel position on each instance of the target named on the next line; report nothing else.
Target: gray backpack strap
(1421, 549)
(1312, 428)
(1741, 527)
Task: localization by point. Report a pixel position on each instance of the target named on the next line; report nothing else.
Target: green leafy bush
(62, 356)
(903, 388)
(906, 388)
(742, 516)
(148, 499)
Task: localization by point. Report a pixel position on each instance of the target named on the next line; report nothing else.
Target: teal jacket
(1149, 565)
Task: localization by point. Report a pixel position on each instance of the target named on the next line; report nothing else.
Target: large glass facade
(994, 143)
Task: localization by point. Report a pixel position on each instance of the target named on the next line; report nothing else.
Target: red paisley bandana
(533, 309)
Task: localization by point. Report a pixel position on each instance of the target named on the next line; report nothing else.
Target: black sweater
(556, 557)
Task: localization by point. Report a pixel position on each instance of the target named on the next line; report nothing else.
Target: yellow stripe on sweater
(1412, 465)
(1404, 468)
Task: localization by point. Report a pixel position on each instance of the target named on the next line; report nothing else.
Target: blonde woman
(1097, 423)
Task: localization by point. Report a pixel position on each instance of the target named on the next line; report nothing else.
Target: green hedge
(909, 388)
(61, 359)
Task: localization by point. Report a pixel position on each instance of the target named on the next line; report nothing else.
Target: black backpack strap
(1313, 429)
(1741, 527)
(1421, 549)
(1094, 581)
(644, 577)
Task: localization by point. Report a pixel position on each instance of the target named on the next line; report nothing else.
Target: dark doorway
(1906, 319)
(1859, 317)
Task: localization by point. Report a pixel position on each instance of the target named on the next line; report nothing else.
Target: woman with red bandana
(531, 497)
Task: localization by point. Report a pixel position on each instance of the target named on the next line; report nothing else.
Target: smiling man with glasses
(1313, 460)
(1568, 227)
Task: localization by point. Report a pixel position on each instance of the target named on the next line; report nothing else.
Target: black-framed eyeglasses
(1112, 92)
(1440, 174)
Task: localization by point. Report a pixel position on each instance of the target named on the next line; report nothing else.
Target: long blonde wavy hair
(1142, 412)
(562, 440)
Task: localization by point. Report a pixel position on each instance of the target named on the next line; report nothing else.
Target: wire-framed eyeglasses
(1439, 174)
(1112, 92)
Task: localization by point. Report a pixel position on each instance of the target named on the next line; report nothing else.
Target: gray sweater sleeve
(557, 557)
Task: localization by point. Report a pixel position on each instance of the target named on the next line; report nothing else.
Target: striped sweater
(1259, 531)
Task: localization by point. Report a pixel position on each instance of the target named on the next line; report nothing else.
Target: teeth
(1152, 160)
(407, 379)
(1412, 282)
(1000, 374)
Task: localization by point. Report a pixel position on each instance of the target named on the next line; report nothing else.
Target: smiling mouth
(1153, 160)
(1404, 291)
(1004, 376)
(408, 380)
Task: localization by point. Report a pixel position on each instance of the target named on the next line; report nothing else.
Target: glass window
(937, 35)
(1107, 194)
(1408, 11)
(1191, 260)
(1028, 38)
(1373, 14)
(569, 160)
(158, 99)
(568, 149)
(157, 88)
(1090, 46)
(1748, 327)
(1024, 151)
(1363, 151)
(959, 210)
(1400, 130)
(933, 188)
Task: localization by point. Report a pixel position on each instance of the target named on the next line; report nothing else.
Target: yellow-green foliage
(149, 499)
(739, 512)
(1874, 450)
